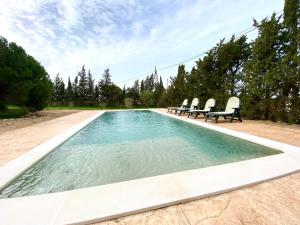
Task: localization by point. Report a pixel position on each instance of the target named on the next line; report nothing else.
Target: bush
(13, 113)
(147, 98)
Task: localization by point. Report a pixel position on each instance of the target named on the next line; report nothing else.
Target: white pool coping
(110, 201)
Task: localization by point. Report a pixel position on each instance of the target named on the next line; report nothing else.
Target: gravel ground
(32, 118)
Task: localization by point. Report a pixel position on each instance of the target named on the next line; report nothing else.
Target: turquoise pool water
(120, 146)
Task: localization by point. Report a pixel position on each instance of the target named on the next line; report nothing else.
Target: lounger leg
(239, 115)
(206, 117)
(196, 115)
(217, 117)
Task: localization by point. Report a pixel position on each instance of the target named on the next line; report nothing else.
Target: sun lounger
(231, 112)
(194, 105)
(184, 105)
(209, 105)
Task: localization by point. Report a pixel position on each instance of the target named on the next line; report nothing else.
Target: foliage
(13, 112)
(23, 81)
(263, 73)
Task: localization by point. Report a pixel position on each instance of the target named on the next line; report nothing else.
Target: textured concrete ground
(15, 142)
(272, 202)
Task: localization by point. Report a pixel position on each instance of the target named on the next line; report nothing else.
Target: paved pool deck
(272, 202)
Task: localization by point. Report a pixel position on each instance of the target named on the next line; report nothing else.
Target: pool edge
(68, 204)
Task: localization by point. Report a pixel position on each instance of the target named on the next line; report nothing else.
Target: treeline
(23, 81)
(263, 73)
(84, 91)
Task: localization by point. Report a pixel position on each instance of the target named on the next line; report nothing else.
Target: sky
(129, 37)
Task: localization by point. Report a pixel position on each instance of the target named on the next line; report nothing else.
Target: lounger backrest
(209, 104)
(233, 102)
(184, 103)
(195, 103)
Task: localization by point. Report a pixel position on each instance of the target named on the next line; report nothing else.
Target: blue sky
(128, 36)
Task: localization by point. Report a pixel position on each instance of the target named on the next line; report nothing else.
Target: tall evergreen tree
(263, 69)
(97, 93)
(58, 90)
(82, 86)
(90, 90)
(142, 86)
(290, 80)
(75, 90)
(179, 85)
(106, 88)
(69, 91)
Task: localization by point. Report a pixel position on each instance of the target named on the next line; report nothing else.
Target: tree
(262, 70)
(133, 93)
(58, 94)
(97, 93)
(159, 90)
(178, 85)
(23, 81)
(75, 90)
(142, 86)
(90, 91)
(148, 98)
(290, 79)
(82, 86)
(69, 91)
(231, 57)
(109, 93)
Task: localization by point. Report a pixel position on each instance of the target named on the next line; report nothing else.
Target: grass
(89, 108)
(12, 112)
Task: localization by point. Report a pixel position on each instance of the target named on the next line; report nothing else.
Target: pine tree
(75, 90)
(90, 91)
(58, 95)
(97, 93)
(105, 87)
(82, 86)
(69, 91)
(142, 86)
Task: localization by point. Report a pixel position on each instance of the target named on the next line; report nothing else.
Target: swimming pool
(122, 146)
